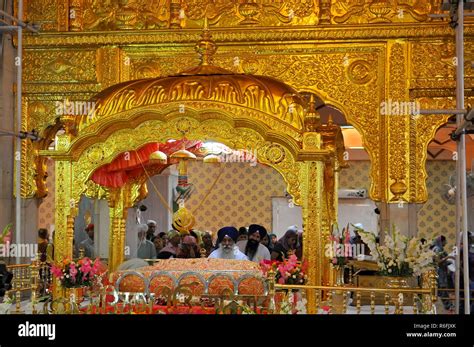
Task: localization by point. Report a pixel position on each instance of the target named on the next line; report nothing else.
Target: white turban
(142, 228)
(152, 222)
(293, 228)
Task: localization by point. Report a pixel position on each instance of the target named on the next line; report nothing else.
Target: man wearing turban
(150, 234)
(146, 249)
(228, 249)
(172, 247)
(252, 247)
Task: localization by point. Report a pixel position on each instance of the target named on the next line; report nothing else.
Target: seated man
(146, 249)
(172, 247)
(252, 247)
(188, 248)
(88, 244)
(227, 237)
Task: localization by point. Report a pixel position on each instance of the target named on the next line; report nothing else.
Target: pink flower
(57, 272)
(85, 268)
(334, 261)
(293, 259)
(73, 271)
(281, 280)
(347, 238)
(96, 267)
(282, 271)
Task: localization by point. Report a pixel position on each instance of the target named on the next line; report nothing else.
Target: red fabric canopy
(128, 165)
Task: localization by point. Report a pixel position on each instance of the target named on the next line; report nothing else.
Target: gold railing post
(34, 280)
(271, 290)
(429, 281)
(358, 302)
(372, 302)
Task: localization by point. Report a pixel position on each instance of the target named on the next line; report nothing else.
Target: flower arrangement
(77, 274)
(340, 249)
(288, 271)
(399, 255)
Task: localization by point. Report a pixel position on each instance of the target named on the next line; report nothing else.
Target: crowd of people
(253, 243)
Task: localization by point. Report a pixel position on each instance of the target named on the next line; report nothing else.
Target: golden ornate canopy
(207, 102)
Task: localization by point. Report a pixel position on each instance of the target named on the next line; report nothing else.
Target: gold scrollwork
(360, 72)
(275, 153)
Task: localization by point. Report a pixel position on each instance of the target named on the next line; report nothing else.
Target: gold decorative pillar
(65, 209)
(312, 178)
(398, 123)
(118, 219)
(332, 141)
(313, 235)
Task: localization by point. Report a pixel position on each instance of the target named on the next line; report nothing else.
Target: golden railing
(331, 299)
(335, 297)
(28, 278)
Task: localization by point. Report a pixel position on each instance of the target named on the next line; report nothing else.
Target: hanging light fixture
(158, 157)
(183, 153)
(211, 159)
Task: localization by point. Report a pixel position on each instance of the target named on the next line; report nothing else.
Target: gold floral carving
(381, 11)
(440, 73)
(275, 155)
(126, 15)
(360, 72)
(397, 124)
(251, 13)
(61, 66)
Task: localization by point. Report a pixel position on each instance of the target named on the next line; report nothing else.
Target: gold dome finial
(312, 119)
(206, 47)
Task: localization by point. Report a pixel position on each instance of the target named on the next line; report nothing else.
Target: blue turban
(253, 228)
(232, 232)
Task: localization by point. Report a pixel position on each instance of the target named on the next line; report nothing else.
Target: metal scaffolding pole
(19, 73)
(461, 203)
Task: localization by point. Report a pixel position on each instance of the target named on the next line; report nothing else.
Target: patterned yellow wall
(242, 195)
(437, 217)
(356, 175)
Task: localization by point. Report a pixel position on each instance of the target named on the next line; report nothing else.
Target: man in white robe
(252, 247)
(227, 237)
(146, 249)
(150, 234)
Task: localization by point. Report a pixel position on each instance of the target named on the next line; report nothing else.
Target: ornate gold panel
(381, 11)
(353, 77)
(61, 66)
(440, 73)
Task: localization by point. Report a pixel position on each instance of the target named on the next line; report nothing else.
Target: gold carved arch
(270, 149)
